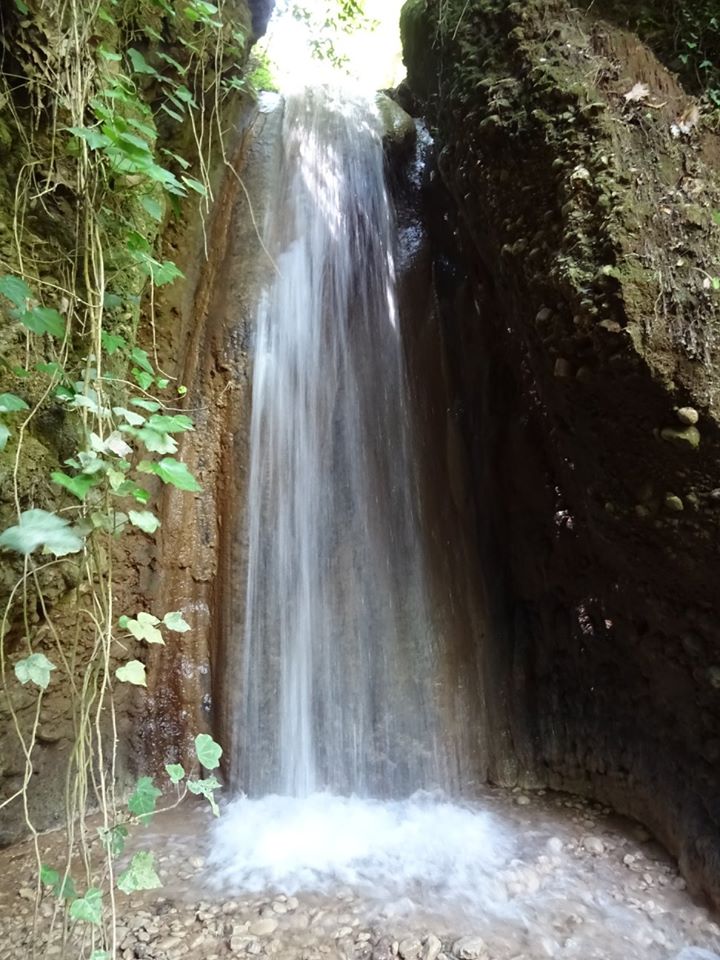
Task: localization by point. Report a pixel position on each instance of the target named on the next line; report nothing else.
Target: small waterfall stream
(340, 681)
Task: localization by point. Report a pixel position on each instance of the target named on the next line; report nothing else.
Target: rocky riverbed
(576, 882)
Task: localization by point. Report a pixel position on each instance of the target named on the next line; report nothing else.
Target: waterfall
(339, 685)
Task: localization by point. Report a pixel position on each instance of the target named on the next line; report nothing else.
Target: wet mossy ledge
(583, 182)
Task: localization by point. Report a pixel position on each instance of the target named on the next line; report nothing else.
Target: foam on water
(517, 876)
(422, 848)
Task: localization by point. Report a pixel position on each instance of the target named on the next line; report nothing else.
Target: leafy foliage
(140, 875)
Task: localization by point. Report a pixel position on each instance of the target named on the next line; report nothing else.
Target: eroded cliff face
(150, 570)
(575, 277)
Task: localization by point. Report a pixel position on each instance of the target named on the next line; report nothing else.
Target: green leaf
(152, 406)
(141, 358)
(195, 185)
(4, 436)
(63, 888)
(134, 419)
(100, 955)
(152, 207)
(112, 342)
(89, 907)
(109, 55)
(113, 839)
(208, 752)
(183, 94)
(172, 113)
(38, 528)
(51, 369)
(94, 138)
(9, 403)
(176, 622)
(48, 876)
(155, 442)
(175, 771)
(206, 788)
(143, 380)
(140, 875)
(170, 424)
(144, 519)
(22, 6)
(35, 669)
(15, 290)
(164, 273)
(44, 320)
(171, 471)
(140, 64)
(79, 485)
(173, 63)
(144, 799)
(132, 672)
(143, 628)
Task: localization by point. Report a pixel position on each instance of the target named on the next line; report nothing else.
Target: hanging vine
(95, 96)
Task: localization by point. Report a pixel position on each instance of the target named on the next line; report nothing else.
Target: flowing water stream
(339, 684)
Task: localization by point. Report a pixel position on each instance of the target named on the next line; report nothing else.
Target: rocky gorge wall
(574, 263)
(179, 331)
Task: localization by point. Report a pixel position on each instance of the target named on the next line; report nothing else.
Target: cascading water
(339, 686)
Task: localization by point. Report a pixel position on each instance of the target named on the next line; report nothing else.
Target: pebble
(470, 948)
(594, 845)
(688, 415)
(410, 949)
(264, 927)
(432, 947)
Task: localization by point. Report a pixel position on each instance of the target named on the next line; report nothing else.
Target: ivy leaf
(144, 799)
(113, 839)
(175, 621)
(134, 419)
(175, 771)
(167, 424)
(143, 628)
(93, 137)
(163, 273)
(10, 403)
(44, 320)
(4, 436)
(38, 528)
(154, 441)
(152, 406)
(195, 185)
(132, 672)
(144, 519)
(140, 64)
(34, 669)
(172, 471)
(140, 875)
(143, 380)
(152, 207)
(112, 342)
(15, 290)
(141, 358)
(208, 752)
(89, 907)
(79, 485)
(64, 888)
(206, 788)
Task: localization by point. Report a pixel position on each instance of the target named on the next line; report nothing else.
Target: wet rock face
(261, 11)
(582, 332)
